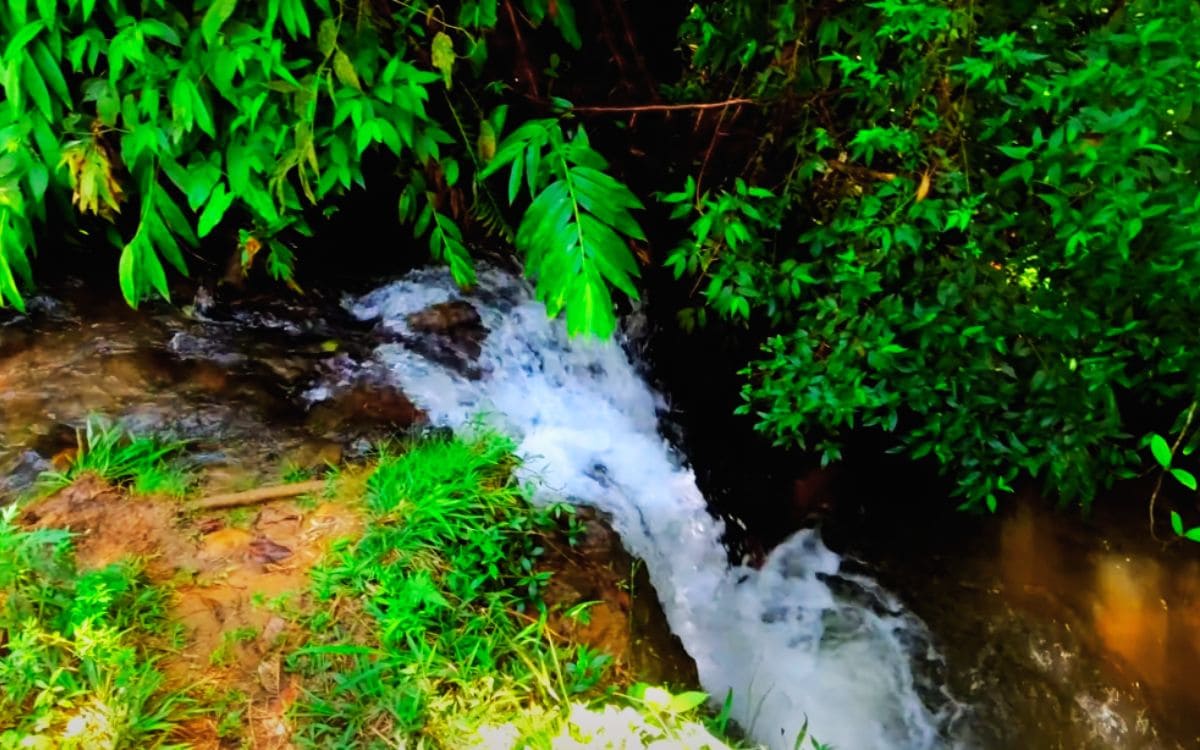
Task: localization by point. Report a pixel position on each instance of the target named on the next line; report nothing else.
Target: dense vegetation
(970, 224)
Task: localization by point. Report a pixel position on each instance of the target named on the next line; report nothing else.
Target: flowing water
(777, 636)
(1027, 631)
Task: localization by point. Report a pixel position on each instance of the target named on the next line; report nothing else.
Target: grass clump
(430, 631)
(143, 464)
(77, 664)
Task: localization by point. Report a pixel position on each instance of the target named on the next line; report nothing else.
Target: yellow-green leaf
(442, 54)
(344, 70)
(487, 142)
(327, 36)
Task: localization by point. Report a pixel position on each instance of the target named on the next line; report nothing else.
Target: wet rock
(626, 620)
(365, 405)
(447, 317)
(21, 473)
(448, 333)
(314, 455)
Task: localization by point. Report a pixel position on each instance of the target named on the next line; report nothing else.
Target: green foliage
(573, 234)
(146, 465)
(429, 628)
(987, 222)
(448, 555)
(244, 115)
(77, 665)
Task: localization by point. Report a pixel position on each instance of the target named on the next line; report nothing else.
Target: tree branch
(662, 107)
(260, 495)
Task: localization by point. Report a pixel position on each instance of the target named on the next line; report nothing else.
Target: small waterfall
(779, 637)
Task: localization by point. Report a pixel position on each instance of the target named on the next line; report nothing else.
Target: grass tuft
(145, 465)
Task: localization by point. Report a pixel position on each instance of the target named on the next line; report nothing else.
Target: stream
(924, 629)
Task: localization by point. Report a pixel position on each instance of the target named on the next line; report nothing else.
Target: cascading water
(779, 637)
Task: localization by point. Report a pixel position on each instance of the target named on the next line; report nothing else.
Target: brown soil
(223, 576)
(625, 618)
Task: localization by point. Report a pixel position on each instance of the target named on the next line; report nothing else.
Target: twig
(663, 107)
(522, 54)
(260, 495)
(1158, 484)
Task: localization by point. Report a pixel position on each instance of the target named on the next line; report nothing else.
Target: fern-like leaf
(574, 234)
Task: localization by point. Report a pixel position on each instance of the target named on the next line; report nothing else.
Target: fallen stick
(260, 495)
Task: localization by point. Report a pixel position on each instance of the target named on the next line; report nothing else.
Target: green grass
(145, 465)
(77, 649)
(430, 630)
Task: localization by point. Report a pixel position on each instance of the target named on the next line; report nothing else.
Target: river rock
(449, 333)
(365, 405)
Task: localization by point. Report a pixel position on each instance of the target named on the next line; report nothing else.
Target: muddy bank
(239, 579)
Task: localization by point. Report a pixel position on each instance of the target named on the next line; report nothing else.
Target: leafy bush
(164, 121)
(974, 225)
(969, 224)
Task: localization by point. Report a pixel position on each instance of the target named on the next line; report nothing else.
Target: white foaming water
(586, 422)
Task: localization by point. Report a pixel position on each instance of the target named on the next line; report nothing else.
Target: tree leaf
(442, 55)
(36, 87)
(327, 34)
(1186, 478)
(564, 19)
(215, 210)
(8, 283)
(1176, 523)
(1193, 534)
(1161, 451)
(24, 36)
(153, 268)
(127, 276)
(344, 70)
(215, 17)
(486, 144)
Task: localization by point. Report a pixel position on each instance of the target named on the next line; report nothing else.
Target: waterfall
(778, 637)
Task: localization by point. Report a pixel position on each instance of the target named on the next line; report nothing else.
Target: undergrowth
(77, 648)
(427, 630)
(144, 464)
(432, 632)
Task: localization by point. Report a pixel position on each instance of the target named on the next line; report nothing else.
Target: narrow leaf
(214, 210)
(1186, 478)
(215, 17)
